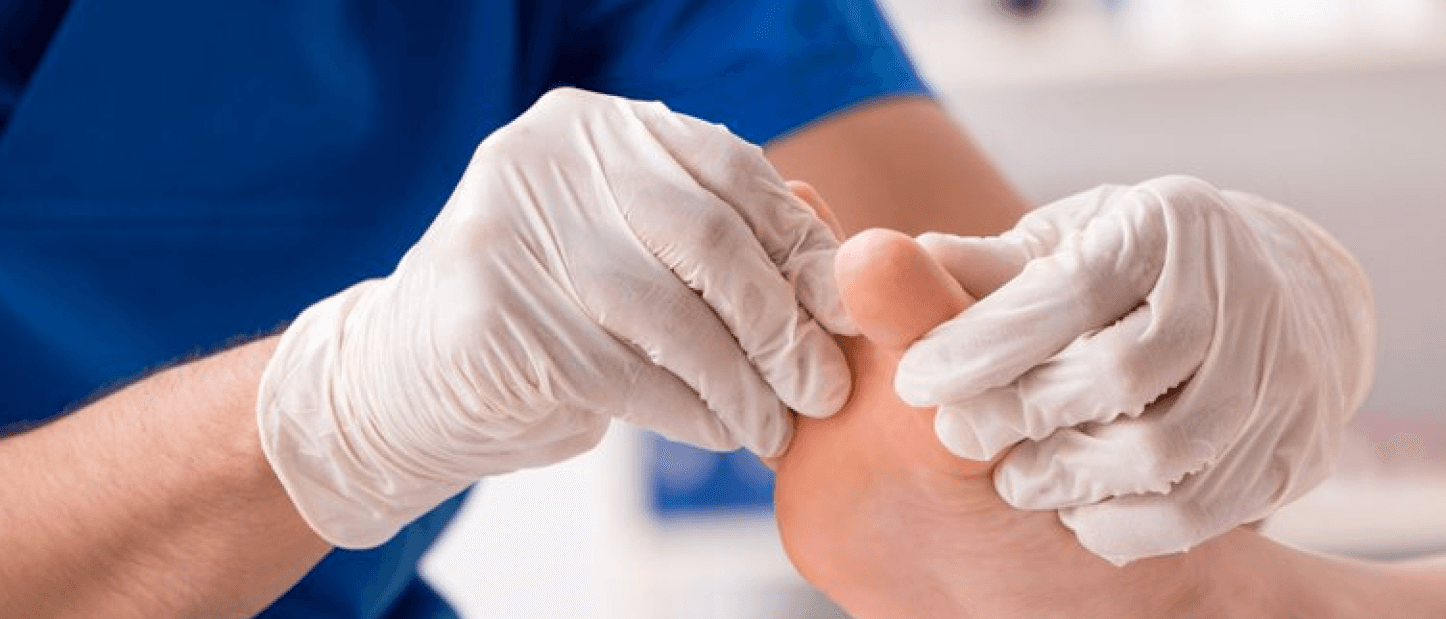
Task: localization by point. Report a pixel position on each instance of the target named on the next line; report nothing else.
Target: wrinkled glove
(601, 258)
(1177, 360)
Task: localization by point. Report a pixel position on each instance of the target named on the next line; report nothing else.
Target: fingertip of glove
(941, 246)
(1006, 485)
(1025, 491)
(776, 440)
(1117, 560)
(960, 437)
(1126, 529)
(811, 376)
(812, 275)
(832, 403)
(823, 303)
(914, 381)
(840, 323)
(831, 389)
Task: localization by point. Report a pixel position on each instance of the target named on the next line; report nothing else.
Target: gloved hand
(1177, 360)
(601, 258)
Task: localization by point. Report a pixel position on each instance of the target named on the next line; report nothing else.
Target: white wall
(1342, 119)
(1363, 152)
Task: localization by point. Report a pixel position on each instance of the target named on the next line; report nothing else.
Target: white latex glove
(601, 258)
(1177, 360)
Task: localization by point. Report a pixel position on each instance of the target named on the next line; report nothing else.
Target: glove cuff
(331, 460)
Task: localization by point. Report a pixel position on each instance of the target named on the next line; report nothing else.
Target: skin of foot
(879, 516)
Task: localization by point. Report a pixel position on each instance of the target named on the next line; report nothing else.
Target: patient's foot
(877, 514)
(874, 511)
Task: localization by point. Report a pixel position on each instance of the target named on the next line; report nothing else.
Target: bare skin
(153, 502)
(878, 515)
(900, 164)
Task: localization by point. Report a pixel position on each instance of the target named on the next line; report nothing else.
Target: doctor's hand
(1176, 360)
(601, 258)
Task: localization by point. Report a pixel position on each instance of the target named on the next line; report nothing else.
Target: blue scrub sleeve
(761, 68)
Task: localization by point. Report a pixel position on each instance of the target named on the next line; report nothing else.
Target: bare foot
(874, 511)
(878, 515)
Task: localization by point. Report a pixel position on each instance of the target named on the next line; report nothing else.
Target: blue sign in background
(687, 481)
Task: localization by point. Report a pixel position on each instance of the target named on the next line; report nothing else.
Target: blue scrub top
(174, 173)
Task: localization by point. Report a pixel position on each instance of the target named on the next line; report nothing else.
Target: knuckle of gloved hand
(1096, 287)
(1043, 227)
(1183, 187)
(519, 146)
(1185, 202)
(552, 127)
(1075, 212)
(565, 102)
(1130, 378)
(471, 231)
(707, 225)
(1156, 474)
(1154, 460)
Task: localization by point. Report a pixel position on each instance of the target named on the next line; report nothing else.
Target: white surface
(1385, 517)
(574, 541)
(530, 544)
(1387, 498)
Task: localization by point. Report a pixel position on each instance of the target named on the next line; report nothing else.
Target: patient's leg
(879, 516)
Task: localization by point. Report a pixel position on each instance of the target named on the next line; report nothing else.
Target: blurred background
(1334, 107)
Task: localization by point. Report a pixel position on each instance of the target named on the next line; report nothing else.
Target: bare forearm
(153, 502)
(901, 164)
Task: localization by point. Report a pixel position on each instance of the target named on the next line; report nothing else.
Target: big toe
(894, 289)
